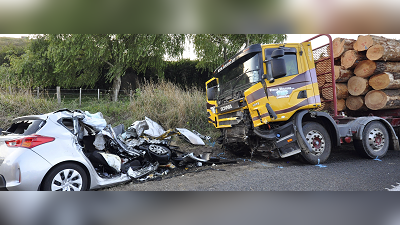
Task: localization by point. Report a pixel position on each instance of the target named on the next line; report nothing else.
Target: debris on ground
(143, 151)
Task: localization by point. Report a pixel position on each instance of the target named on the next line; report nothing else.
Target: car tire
(319, 139)
(375, 141)
(160, 153)
(66, 177)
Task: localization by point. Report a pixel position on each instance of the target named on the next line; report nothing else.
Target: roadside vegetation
(164, 102)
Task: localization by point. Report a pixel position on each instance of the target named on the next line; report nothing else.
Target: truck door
(294, 91)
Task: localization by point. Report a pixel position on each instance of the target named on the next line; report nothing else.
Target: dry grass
(164, 102)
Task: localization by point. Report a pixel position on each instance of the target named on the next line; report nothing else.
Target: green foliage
(214, 49)
(185, 74)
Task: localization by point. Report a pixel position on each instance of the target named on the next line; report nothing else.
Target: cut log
(364, 42)
(323, 69)
(341, 45)
(341, 91)
(389, 51)
(368, 68)
(385, 80)
(358, 86)
(342, 75)
(383, 99)
(356, 103)
(341, 105)
(325, 106)
(351, 58)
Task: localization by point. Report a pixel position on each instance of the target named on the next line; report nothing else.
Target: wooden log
(368, 68)
(322, 69)
(341, 45)
(325, 106)
(358, 86)
(356, 103)
(342, 75)
(383, 99)
(388, 51)
(341, 91)
(340, 105)
(364, 42)
(385, 80)
(351, 58)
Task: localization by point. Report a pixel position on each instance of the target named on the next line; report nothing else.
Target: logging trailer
(266, 100)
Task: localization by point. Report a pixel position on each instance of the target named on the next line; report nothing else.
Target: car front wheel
(66, 177)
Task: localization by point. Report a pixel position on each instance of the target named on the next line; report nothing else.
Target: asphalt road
(344, 171)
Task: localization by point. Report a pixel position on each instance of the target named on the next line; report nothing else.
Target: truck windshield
(238, 77)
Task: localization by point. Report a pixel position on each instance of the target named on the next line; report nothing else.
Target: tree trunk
(115, 88)
(341, 91)
(342, 75)
(358, 86)
(351, 58)
(356, 103)
(341, 45)
(364, 42)
(388, 51)
(383, 99)
(368, 68)
(385, 80)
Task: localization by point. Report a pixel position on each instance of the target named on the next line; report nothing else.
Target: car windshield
(26, 127)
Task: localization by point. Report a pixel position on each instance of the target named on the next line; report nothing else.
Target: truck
(266, 100)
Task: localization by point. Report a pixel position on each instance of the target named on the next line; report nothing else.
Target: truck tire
(375, 141)
(319, 140)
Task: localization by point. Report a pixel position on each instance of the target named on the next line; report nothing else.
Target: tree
(79, 59)
(214, 49)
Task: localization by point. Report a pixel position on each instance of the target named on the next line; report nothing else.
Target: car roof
(58, 114)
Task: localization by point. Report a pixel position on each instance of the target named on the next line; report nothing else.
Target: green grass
(165, 103)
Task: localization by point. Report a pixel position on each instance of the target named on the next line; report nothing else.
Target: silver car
(55, 152)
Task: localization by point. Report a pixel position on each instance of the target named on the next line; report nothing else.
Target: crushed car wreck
(75, 150)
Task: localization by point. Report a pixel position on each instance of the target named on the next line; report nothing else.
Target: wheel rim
(67, 180)
(158, 149)
(316, 141)
(376, 139)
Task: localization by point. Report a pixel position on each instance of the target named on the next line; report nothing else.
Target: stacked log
(341, 45)
(367, 77)
(375, 82)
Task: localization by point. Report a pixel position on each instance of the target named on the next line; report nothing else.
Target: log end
(348, 58)
(357, 85)
(379, 81)
(355, 103)
(337, 45)
(375, 99)
(375, 52)
(363, 43)
(365, 68)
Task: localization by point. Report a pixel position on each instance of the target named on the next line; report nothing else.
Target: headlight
(213, 109)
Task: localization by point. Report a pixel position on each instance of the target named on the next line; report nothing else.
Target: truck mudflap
(285, 138)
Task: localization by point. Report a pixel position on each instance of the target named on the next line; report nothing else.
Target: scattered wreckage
(75, 150)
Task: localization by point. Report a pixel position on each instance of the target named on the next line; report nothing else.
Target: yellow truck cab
(263, 99)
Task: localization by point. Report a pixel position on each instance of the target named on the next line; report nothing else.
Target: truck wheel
(319, 140)
(375, 141)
